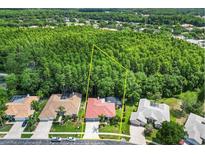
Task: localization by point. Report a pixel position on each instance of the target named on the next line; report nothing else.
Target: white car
(56, 139)
(71, 139)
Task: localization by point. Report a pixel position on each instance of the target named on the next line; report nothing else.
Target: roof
(71, 105)
(115, 100)
(96, 107)
(157, 112)
(21, 108)
(195, 127)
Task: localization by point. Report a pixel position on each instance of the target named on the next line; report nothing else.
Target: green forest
(43, 61)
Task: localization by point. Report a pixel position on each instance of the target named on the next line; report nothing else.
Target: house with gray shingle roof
(195, 127)
(150, 112)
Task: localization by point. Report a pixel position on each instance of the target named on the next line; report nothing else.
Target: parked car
(56, 139)
(71, 139)
(24, 123)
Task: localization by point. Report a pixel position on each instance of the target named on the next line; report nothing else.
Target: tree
(170, 133)
(148, 129)
(61, 111)
(36, 106)
(3, 100)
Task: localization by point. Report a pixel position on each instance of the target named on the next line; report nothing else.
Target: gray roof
(115, 100)
(195, 127)
(158, 112)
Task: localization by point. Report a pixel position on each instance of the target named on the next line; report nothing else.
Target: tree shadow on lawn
(177, 113)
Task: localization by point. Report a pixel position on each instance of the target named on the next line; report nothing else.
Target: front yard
(107, 127)
(70, 125)
(6, 128)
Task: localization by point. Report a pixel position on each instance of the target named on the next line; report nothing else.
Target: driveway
(137, 135)
(91, 130)
(42, 130)
(15, 131)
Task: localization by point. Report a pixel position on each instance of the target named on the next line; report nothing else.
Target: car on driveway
(71, 139)
(56, 139)
(24, 123)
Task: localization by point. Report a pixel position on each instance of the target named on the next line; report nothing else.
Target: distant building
(71, 103)
(19, 107)
(97, 107)
(150, 113)
(195, 127)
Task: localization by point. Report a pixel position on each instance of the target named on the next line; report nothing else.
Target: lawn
(176, 113)
(65, 135)
(113, 137)
(26, 135)
(189, 97)
(67, 127)
(125, 125)
(5, 128)
(2, 135)
(152, 135)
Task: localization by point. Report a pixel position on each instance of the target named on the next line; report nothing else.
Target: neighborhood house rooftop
(20, 106)
(195, 127)
(148, 110)
(97, 107)
(70, 103)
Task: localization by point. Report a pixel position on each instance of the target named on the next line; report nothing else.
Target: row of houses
(156, 114)
(20, 107)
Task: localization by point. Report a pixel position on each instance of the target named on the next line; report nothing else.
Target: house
(97, 107)
(20, 108)
(114, 100)
(71, 104)
(195, 127)
(150, 113)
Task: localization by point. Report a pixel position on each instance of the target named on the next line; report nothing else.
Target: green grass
(26, 135)
(113, 137)
(5, 128)
(189, 97)
(2, 135)
(125, 125)
(110, 129)
(67, 127)
(152, 136)
(64, 135)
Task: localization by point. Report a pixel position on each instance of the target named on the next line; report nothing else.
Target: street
(63, 142)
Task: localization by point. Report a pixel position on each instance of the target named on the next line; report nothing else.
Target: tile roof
(96, 107)
(71, 105)
(158, 112)
(195, 127)
(21, 109)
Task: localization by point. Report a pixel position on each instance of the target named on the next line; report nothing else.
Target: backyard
(176, 113)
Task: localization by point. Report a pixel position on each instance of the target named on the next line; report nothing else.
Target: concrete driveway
(15, 131)
(42, 130)
(137, 135)
(91, 130)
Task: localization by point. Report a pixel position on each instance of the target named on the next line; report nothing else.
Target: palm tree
(61, 111)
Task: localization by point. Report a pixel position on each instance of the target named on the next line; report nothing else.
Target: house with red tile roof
(97, 107)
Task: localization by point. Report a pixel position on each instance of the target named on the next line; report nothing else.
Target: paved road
(137, 135)
(63, 142)
(15, 131)
(91, 130)
(42, 130)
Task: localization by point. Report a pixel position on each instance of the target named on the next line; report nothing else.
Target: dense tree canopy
(44, 61)
(170, 133)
